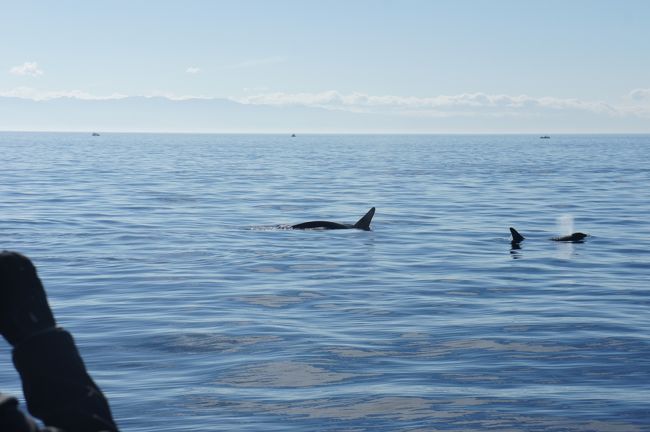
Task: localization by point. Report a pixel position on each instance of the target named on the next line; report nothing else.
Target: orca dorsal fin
(364, 222)
(516, 237)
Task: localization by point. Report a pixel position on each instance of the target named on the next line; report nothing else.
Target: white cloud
(26, 69)
(462, 104)
(640, 95)
(193, 70)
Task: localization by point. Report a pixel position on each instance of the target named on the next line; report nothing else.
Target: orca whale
(362, 224)
(576, 237)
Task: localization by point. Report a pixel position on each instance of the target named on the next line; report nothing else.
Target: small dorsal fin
(516, 237)
(364, 222)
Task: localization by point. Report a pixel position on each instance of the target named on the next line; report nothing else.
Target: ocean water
(195, 311)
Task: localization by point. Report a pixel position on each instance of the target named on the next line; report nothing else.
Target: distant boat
(293, 135)
(95, 134)
(545, 137)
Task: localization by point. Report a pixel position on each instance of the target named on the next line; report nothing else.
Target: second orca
(576, 237)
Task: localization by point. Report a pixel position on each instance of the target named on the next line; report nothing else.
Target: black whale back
(320, 224)
(362, 224)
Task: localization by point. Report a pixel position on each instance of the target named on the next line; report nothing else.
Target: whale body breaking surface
(576, 237)
(362, 224)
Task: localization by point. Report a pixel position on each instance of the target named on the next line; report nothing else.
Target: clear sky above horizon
(410, 57)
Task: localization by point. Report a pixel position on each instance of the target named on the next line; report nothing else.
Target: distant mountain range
(161, 114)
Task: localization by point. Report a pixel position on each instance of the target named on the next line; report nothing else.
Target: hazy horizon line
(145, 132)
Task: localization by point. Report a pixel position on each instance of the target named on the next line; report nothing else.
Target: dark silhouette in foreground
(517, 238)
(55, 382)
(362, 224)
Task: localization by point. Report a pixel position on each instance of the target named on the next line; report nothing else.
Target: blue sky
(490, 58)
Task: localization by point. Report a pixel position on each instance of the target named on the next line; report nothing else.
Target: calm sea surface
(195, 311)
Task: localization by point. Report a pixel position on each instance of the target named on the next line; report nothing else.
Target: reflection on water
(415, 414)
(282, 374)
